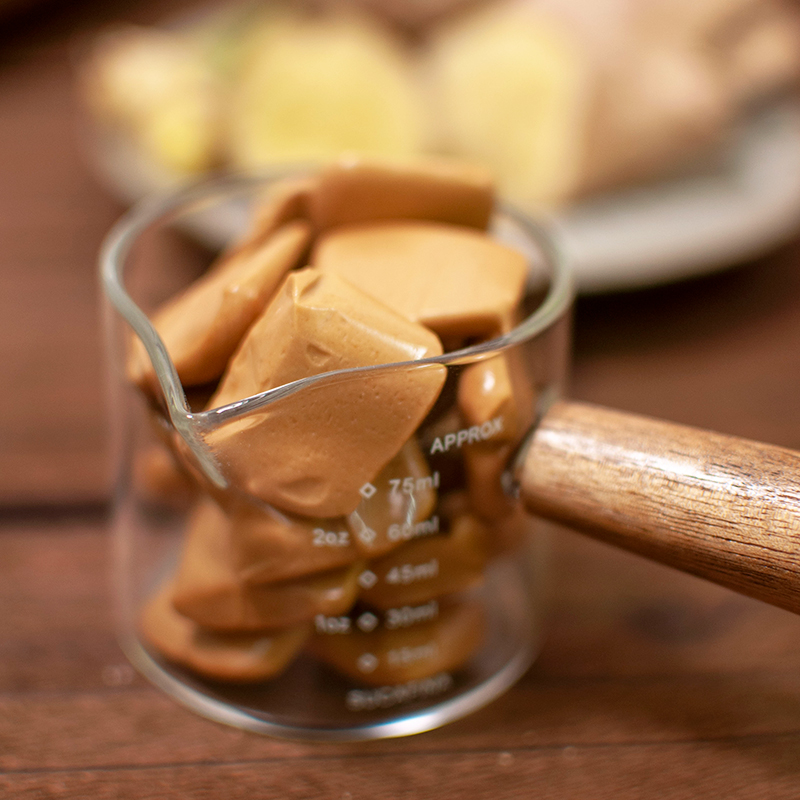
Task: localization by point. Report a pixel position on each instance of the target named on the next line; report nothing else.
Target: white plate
(693, 225)
(638, 237)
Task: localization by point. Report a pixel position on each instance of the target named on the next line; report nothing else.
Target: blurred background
(661, 138)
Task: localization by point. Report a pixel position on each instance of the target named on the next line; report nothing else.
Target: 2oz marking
(323, 538)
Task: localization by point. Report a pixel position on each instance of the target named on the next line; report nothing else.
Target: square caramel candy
(311, 452)
(355, 190)
(386, 657)
(209, 591)
(284, 201)
(457, 281)
(202, 326)
(234, 657)
(264, 546)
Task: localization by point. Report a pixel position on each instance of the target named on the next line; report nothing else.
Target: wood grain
(720, 507)
(712, 691)
(652, 683)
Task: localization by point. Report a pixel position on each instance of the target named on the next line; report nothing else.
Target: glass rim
(118, 243)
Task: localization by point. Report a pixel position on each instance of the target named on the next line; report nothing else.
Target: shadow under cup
(417, 601)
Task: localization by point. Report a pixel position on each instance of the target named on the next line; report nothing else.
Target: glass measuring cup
(337, 558)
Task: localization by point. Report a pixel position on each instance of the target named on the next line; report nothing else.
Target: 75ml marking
(412, 485)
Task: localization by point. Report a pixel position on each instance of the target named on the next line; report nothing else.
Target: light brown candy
(313, 451)
(484, 469)
(225, 657)
(202, 326)
(503, 534)
(399, 508)
(264, 546)
(455, 280)
(357, 190)
(495, 388)
(158, 478)
(209, 591)
(285, 201)
(428, 568)
(397, 656)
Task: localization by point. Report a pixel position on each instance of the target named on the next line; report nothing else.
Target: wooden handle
(723, 508)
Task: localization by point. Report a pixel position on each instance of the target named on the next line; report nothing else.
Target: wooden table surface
(651, 683)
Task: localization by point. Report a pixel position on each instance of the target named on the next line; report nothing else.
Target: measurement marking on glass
(332, 625)
(411, 530)
(410, 615)
(388, 696)
(401, 656)
(323, 538)
(410, 573)
(367, 662)
(477, 433)
(367, 621)
(367, 535)
(367, 490)
(367, 579)
(412, 485)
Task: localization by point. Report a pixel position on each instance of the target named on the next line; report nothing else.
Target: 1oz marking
(331, 625)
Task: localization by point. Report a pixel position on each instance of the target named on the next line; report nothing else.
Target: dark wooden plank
(751, 769)
(721, 352)
(140, 727)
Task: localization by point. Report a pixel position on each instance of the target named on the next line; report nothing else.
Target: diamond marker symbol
(367, 491)
(367, 662)
(367, 622)
(367, 579)
(367, 535)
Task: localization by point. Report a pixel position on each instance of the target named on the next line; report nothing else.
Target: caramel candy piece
(209, 591)
(242, 657)
(503, 534)
(356, 190)
(264, 546)
(388, 657)
(202, 326)
(312, 452)
(429, 568)
(456, 281)
(285, 201)
(400, 507)
(497, 388)
(158, 478)
(484, 468)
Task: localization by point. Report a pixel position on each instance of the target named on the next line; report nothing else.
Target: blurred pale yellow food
(157, 89)
(315, 86)
(562, 98)
(559, 98)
